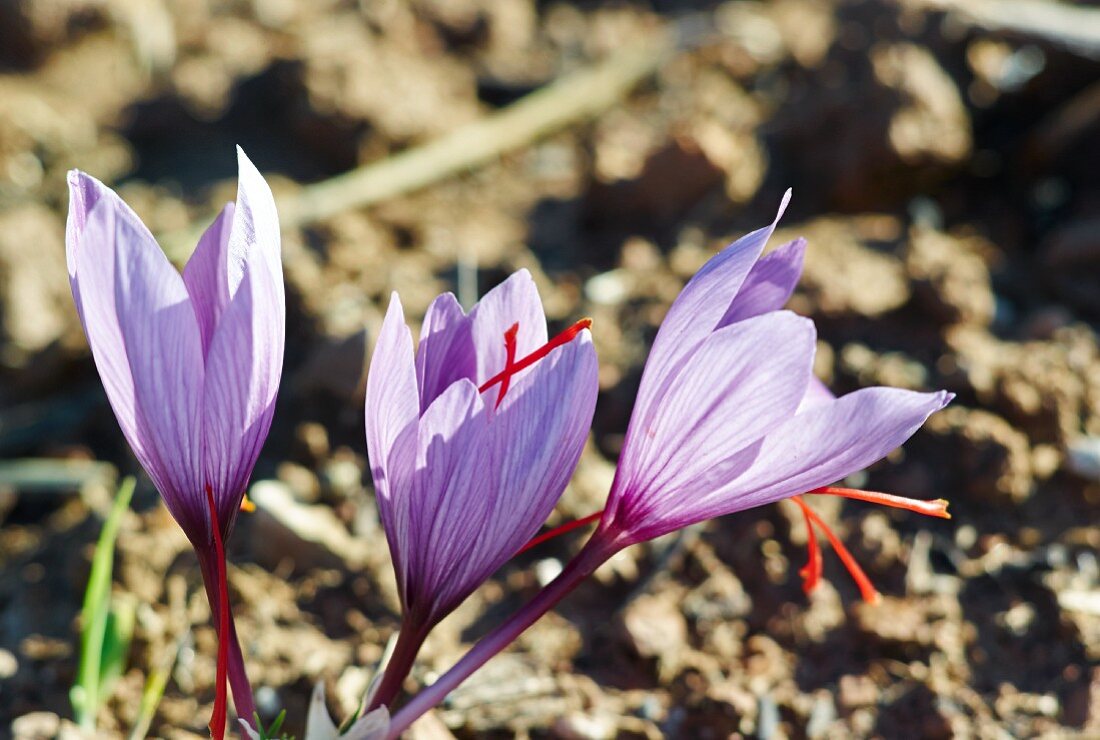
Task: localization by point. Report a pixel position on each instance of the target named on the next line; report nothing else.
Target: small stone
(579, 726)
(313, 440)
(608, 288)
(547, 570)
(267, 701)
(654, 626)
(822, 715)
(342, 475)
(36, 726)
(301, 480)
(857, 691)
(1083, 457)
(9, 665)
(768, 718)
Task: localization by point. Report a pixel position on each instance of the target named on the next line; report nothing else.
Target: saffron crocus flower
(472, 441)
(191, 363)
(728, 417)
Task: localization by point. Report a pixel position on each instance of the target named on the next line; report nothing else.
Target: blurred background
(944, 158)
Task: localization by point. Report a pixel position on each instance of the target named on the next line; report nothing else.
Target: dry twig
(568, 100)
(1074, 27)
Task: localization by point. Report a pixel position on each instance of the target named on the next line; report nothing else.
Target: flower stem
(409, 640)
(595, 552)
(217, 719)
(238, 679)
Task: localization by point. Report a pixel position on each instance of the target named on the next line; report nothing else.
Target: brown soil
(945, 177)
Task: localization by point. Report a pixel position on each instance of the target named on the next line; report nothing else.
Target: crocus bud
(191, 363)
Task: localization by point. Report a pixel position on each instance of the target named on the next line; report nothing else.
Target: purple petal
(95, 249)
(244, 232)
(255, 231)
(243, 370)
(699, 308)
(205, 275)
(536, 439)
(826, 443)
(769, 284)
(445, 352)
(392, 411)
(449, 506)
(816, 393)
(516, 300)
(84, 193)
(146, 344)
(235, 280)
(743, 381)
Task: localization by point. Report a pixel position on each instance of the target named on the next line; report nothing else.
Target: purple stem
(409, 640)
(595, 552)
(238, 679)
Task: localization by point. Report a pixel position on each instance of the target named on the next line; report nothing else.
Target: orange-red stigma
(217, 719)
(866, 589)
(811, 572)
(511, 366)
(509, 360)
(567, 527)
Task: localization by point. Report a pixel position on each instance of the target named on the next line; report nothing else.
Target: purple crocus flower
(472, 441)
(729, 416)
(191, 363)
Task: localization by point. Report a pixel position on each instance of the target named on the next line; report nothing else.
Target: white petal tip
(783, 206)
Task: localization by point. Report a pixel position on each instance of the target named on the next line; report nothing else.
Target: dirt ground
(945, 174)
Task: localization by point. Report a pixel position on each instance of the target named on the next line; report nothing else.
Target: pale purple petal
(826, 443)
(84, 193)
(445, 352)
(816, 393)
(449, 503)
(699, 308)
(392, 411)
(254, 235)
(205, 275)
(536, 439)
(91, 251)
(516, 300)
(769, 284)
(162, 347)
(744, 380)
(243, 370)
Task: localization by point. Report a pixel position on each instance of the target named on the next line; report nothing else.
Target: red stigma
(567, 527)
(509, 360)
(217, 719)
(511, 366)
(936, 508)
(811, 573)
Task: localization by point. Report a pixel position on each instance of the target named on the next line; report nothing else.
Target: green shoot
(105, 631)
(272, 732)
